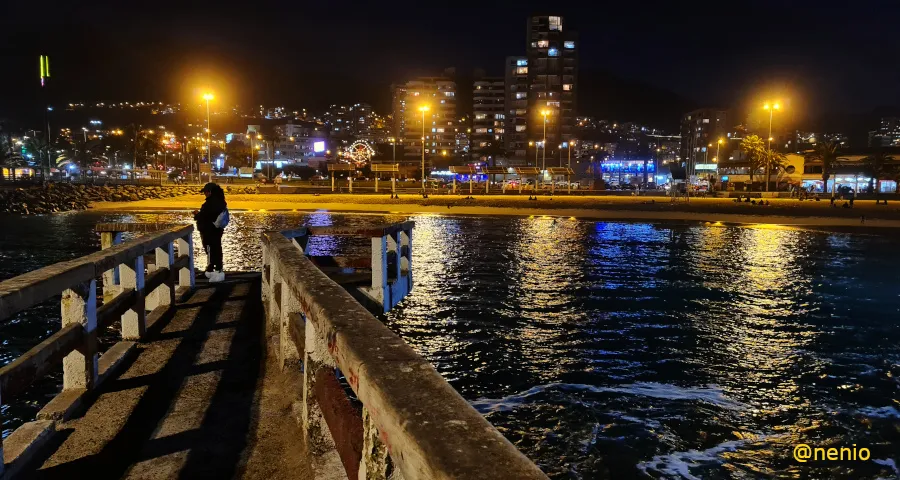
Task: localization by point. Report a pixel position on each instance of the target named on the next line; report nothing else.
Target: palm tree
(878, 165)
(39, 149)
(80, 153)
(827, 153)
(10, 156)
(754, 148)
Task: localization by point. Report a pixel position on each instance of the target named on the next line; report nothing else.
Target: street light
(207, 97)
(771, 109)
(544, 140)
(394, 145)
(423, 109)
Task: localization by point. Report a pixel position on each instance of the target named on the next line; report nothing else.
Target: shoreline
(724, 211)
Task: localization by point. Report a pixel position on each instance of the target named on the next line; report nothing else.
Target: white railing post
(111, 278)
(164, 295)
(405, 260)
(380, 271)
(186, 275)
(134, 321)
(79, 305)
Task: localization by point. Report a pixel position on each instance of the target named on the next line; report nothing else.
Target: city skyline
(110, 53)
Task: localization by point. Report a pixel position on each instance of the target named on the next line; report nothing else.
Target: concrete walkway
(199, 400)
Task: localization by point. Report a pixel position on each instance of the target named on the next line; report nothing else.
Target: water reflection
(609, 350)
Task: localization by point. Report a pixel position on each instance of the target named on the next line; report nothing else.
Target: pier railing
(411, 419)
(133, 293)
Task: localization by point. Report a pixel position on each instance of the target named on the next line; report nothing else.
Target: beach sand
(780, 211)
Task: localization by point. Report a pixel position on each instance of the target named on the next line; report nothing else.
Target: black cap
(208, 188)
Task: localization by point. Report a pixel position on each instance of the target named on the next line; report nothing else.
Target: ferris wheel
(360, 152)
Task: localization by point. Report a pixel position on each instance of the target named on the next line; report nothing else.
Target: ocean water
(610, 349)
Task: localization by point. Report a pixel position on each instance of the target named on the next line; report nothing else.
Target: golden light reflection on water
(648, 339)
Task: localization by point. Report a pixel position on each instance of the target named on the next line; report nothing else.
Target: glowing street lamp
(423, 109)
(771, 108)
(544, 140)
(208, 97)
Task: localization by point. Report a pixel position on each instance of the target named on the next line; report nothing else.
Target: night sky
(823, 58)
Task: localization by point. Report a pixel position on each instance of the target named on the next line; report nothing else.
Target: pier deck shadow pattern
(200, 400)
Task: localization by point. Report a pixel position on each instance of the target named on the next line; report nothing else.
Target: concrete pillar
(470, 184)
(569, 183)
(275, 296)
(376, 183)
(487, 184)
(552, 185)
(375, 463)
(318, 438)
(454, 184)
(186, 276)
(79, 305)
(332, 181)
(111, 280)
(289, 356)
(134, 321)
(350, 179)
(379, 271)
(393, 184)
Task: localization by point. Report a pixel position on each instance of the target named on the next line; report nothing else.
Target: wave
(679, 464)
(711, 394)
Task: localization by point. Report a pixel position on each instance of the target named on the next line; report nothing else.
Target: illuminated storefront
(627, 171)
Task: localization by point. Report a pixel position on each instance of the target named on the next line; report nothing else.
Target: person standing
(212, 218)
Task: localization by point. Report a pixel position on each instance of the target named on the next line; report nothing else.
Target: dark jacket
(209, 212)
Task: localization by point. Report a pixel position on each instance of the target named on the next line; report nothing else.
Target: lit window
(555, 23)
(415, 94)
(521, 62)
(520, 111)
(438, 130)
(569, 44)
(521, 70)
(567, 87)
(543, 43)
(553, 52)
(442, 101)
(552, 104)
(482, 144)
(500, 116)
(480, 130)
(521, 95)
(520, 128)
(480, 116)
(499, 130)
(449, 94)
(705, 120)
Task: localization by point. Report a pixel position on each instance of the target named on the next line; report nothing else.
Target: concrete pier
(248, 378)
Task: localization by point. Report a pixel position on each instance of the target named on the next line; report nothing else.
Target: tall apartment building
(516, 107)
(552, 56)
(699, 129)
(439, 95)
(888, 133)
(488, 117)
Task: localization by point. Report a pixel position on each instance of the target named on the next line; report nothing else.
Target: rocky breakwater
(63, 197)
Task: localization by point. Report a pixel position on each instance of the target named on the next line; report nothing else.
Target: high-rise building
(888, 133)
(552, 82)
(488, 117)
(516, 107)
(438, 94)
(699, 129)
